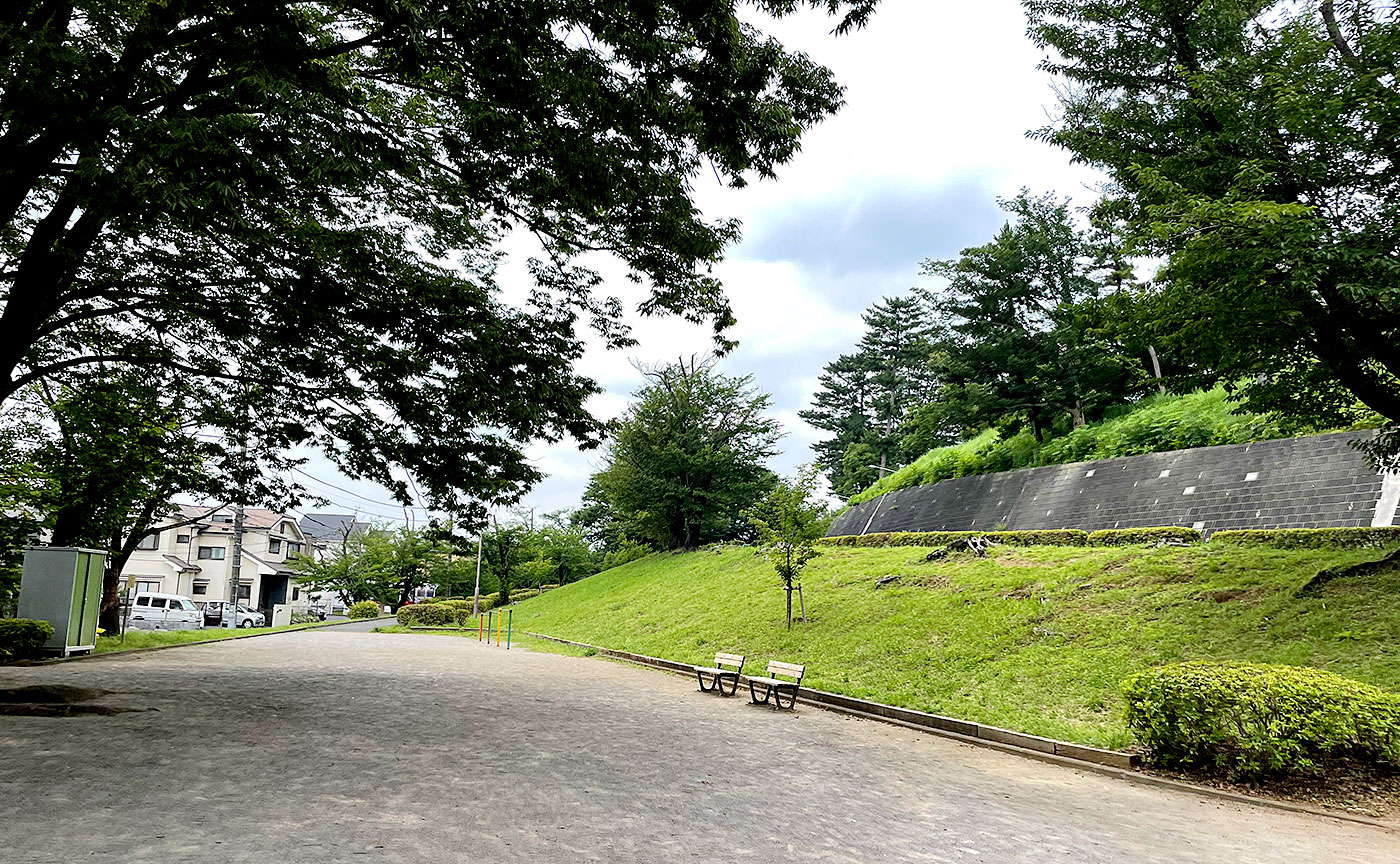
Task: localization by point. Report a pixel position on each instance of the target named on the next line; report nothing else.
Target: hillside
(1155, 425)
(1034, 639)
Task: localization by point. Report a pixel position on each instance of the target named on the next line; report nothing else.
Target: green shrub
(304, 618)
(1258, 720)
(427, 615)
(548, 587)
(1131, 536)
(1066, 537)
(364, 609)
(21, 638)
(1310, 538)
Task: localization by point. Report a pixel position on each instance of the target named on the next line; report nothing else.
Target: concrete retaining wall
(1319, 481)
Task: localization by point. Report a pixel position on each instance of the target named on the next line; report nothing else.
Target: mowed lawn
(1034, 639)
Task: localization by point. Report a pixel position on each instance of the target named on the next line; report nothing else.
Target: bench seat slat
(712, 670)
(773, 682)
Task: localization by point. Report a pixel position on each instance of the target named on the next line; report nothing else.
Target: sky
(939, 98)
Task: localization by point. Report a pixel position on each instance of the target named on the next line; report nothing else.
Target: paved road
(322, 746)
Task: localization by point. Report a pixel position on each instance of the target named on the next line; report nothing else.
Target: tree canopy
(687, 457)
(1252, 145)
(300, 206)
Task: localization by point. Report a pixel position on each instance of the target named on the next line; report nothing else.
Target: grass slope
(1033, 639)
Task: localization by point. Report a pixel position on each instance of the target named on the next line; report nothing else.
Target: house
(191, 554)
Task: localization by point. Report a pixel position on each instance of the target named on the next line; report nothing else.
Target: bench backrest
(779, 669)
(735, 660)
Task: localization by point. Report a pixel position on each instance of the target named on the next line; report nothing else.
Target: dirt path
(321, 746)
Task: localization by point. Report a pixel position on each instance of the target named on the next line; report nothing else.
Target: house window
(150, 541)
(274, 546)
(182, 538)
(147, 587)
(293, 549)
(199, 588)
(211, 553)
(221, 517)
(296, 592)
(245, 592)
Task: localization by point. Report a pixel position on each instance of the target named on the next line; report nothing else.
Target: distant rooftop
(332, 527)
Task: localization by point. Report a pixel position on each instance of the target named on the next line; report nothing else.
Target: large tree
(687, 457)
(1025, 325)
(306, 202)
(1255, 147)
(865, 397)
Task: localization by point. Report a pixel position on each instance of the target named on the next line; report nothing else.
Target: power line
(393, 505)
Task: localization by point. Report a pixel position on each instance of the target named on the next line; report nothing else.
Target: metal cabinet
(63, 586)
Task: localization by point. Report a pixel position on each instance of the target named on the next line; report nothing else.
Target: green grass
(1034, 639)
(156, 638)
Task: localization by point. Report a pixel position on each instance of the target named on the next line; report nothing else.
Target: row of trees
(389, 565)
(1027, 331)
(1250, 150)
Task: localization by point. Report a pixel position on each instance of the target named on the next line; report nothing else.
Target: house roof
(181, 565)
(271, 567)
(332, 527)
(254, 518)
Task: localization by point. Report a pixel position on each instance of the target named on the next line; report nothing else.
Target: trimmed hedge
(1067, 537)
(457, 613)
(1310, 538)
(363, 609)
(1258, 720)
(21, 638)
(427, 615)
(1131, 536)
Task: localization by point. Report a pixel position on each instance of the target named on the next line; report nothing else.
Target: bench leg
(700, 676)
(753, 697)
(733, 680)
(778, 697)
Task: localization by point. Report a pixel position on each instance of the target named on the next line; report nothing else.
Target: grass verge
(1033, 639)
(136, 639)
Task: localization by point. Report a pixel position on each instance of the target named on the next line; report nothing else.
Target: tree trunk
(788, 589)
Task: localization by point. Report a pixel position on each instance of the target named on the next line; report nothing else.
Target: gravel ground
(328, 745)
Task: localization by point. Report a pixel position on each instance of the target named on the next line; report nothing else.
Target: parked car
(320, 612)
(214, 615)
(152, 611)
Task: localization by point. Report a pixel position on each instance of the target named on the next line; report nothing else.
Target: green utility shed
(63, 586)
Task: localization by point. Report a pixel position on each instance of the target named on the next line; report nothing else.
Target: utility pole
(236, 564)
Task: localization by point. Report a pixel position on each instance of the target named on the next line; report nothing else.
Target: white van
(151, 611)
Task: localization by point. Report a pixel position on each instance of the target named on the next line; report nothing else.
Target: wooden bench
(719, 674)
(775, 687)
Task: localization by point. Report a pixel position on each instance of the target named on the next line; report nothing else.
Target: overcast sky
(939, 97)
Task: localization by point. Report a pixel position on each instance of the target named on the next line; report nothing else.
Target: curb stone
(1004, 740)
